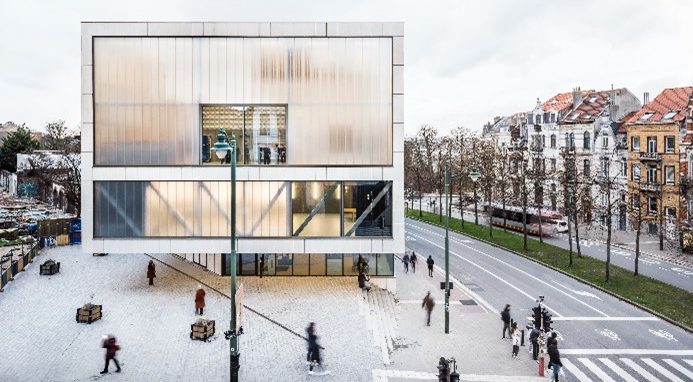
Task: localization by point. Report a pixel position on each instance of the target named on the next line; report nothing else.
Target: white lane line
(683, 353)
(384, 374)
(596, 370)
(575, 371)
(662, 370)
(689, 361)
(535, 278)
(527, 274)
(648, 377)
(651, 318)
(489, 272)
(617, 369)
(680, 368)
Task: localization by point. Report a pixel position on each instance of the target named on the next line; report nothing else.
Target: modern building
(658, 136)
(317, 113)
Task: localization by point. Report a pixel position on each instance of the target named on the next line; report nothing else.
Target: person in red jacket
(111, 346)
(199, 300)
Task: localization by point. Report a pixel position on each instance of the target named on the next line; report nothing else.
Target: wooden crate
(89, 315)
(49, 268)
(202, 331)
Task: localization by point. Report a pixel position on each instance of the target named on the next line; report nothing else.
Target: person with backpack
(413, 260)
(430, 263)
(505, 317)
(405, 261)
(555, 360)
(428, 304)
(111, 345)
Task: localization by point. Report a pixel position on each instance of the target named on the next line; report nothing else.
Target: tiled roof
(592, 105)
(622, 129)
(672, 103)
(561, 101)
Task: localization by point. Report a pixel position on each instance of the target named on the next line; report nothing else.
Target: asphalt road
(664, 271)
(601, 338)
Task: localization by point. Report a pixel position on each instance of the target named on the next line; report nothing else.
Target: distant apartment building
(659, 158)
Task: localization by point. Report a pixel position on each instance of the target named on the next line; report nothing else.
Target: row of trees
(63, 144)
(517, 175)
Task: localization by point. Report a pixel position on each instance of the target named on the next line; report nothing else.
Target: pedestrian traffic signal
(547, 320)
(536, 317)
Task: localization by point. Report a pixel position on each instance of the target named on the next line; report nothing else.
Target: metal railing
(651, 187)
(650, 156)
(13, 263)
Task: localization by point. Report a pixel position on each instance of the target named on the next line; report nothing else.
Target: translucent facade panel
(315, 208)
(189, 209)
(333, 263)
(317, 264)
(301, 264)
(385, 264)
(147, 92)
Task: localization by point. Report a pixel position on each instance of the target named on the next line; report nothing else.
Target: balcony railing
(650, 156)
(650, 187)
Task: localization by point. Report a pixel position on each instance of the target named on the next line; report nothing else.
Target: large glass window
(317, 264)
(315, 208)
(367, 209)
(301, 264)
(333, 263)
(260, 133)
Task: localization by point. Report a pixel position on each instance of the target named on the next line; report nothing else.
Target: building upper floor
(292, 94)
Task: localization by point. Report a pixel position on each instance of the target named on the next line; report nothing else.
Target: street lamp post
(222, 149)
(475, 175)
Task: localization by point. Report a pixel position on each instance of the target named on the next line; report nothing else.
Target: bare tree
(486, 152)
(607, 184)
(502, 178)
(537, 176)
(519, 158)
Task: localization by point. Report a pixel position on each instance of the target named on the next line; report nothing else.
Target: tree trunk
(608, 234)
(577, 235)
(541, 230)
(420, 199)
(524, 215)
(476, 211)
(490, 217)
(461, 206)
(637, 250)
(504, 218)
(570, 243)
(440, 208)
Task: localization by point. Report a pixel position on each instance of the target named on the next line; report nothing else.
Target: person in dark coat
(553, 340)
(313, 351)
(555, 361)
(362, 265)
(534, 340)
(412, 260)
(428, 303)
(430, 263)
(262, 265)
(111, 345)
(199, 300)
(151, 272)
(505, 317)
(405, 261)
(310, 330)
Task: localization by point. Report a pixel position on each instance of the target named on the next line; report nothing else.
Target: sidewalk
(474, 338)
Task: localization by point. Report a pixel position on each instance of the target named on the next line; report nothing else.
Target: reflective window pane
(367, 209)
(301, 264)
(386, 264)
(333, 264)
(317, 264)
(315, 208)
(284, 264)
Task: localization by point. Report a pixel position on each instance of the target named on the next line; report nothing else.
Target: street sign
(442, 285)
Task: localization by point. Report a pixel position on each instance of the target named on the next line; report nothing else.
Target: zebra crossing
(628, 369)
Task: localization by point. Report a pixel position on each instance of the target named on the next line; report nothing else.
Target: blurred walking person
(413, 261)
(199, 300)
(505, 317)
(555, 361)
(151, 272)
(111, 345)
(515, 335)
(428, 304)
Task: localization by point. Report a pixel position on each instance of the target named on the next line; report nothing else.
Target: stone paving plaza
(381, 338)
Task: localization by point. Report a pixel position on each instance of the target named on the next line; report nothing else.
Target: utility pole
(447, 254)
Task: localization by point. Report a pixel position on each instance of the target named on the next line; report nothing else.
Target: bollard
(541, 365)
(522, 338)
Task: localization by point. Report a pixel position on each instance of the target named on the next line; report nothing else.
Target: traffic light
(536, 317)
(547, 319)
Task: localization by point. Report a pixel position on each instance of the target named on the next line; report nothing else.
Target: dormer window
(646, 116)
(670, 115)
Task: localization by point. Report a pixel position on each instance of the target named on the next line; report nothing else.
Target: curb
(637, 305)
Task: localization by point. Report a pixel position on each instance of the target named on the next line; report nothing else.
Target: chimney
(577, 96)
(646, 98)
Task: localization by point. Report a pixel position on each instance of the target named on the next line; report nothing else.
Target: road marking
(683, 353)
(649, 261)
(689, 361)
(664, 334)
(534, 277)
(617, 369)
(649, 377)
(579, 292)
(489, 272)
(380, 375)
(576, 372)
(680, 368)
(651, 318)
(596, 370)
(662, 370)
(608, 334)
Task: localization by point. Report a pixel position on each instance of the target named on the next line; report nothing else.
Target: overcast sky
(465, 61)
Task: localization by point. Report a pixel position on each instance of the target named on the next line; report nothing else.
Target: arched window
(553, 141)
(572, 141)
(586, 140)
